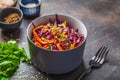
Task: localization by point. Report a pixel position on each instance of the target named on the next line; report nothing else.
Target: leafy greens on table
(10, 56)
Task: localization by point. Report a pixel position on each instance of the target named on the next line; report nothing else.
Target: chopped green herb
(62, 37)
(10, 57)
(3, 78)
(48, 47)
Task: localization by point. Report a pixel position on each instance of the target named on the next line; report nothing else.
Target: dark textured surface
(102, 19)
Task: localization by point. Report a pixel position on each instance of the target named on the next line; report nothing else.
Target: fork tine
(104, 56)
(108, 49)
(101, 54)
(97, 53)
(104, 53)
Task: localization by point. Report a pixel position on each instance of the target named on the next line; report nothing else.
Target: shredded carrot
(45, 46)
(73, 45)
(50, 41)
(74, 41)
(37, 43)
(59, 47)
(41, 41)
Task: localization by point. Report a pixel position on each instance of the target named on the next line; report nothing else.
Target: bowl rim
(20, 3)
(58, 15)
(14, 8)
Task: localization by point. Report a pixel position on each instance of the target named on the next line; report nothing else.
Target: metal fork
(96, 61)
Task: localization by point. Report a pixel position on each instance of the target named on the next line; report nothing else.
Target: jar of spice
(30, 8)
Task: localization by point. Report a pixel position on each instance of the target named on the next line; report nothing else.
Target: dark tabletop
(102, 20)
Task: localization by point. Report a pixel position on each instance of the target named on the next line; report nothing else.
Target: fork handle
(87, 71)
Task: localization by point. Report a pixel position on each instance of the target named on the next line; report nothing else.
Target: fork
(96, 61)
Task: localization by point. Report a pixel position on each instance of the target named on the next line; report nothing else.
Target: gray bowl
(56, 62)
(10, 27)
